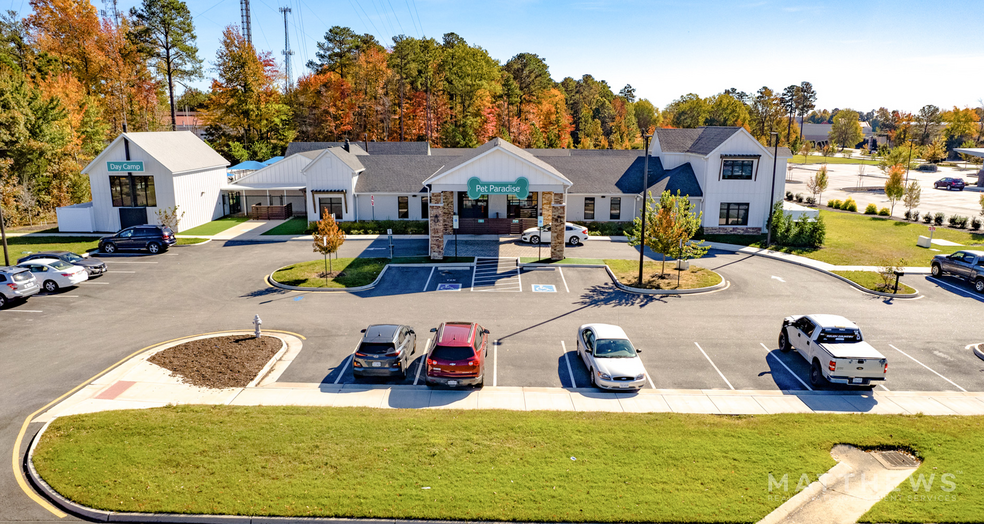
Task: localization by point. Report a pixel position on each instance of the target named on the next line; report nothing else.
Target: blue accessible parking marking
(449, 287)
(544, 288)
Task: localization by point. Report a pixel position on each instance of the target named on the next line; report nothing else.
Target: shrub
(908, 214)
(789, 196)
(871, 209)
(607, 229)
(954, 220)
(850, 205)
(884, 212)
(834, 204)
(929, 168)
(799, 197)
(915, 216)
(801, 233)
(975, 223)
(927, 218)
(938, 219)
(810, 200)
(379, 227)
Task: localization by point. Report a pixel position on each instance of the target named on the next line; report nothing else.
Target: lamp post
(3, 234)
(772, 190)
(907, 162)
(645, 202)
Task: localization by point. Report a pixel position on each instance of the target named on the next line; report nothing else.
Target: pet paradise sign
(477, 188)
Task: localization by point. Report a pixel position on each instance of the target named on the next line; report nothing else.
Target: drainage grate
(895, 459)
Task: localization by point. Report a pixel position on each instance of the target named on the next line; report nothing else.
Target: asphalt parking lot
(720, 340)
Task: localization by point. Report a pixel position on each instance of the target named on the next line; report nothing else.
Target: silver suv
(16, 283)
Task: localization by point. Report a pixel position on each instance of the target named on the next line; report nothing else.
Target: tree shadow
(607, 295)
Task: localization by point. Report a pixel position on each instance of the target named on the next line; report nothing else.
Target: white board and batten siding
(198, 195)
(603, 207)
(329, 172)
(286, 172)
(105, 216)
(754, 192)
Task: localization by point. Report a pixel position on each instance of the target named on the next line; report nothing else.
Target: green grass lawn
(295, 226)
(190, 241)
(18, 247)
(352, 272)
(627, 272)
(874, 282)
(820, 159)
(215, 226)
(487, 464)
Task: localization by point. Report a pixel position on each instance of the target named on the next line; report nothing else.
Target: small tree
(913, 193)
(327, 239)
(806, 149)
(169, 217)
(818, 183)
(670, 226)
(935, 152)
(887, 272)
(895, 186)
(862, 167)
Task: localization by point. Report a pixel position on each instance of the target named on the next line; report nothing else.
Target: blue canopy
(273, 160)
(247, 165)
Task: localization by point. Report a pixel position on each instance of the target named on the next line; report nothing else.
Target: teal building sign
(130, 166)
(477, 188)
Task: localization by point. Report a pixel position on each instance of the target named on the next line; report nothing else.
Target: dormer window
(738, 167)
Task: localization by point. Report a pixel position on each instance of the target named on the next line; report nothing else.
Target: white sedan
(53, 273)
(573, 235)
(612, 361)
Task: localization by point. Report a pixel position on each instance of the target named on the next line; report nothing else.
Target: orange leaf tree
(328, 238)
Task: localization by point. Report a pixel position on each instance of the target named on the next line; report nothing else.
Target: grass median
(346, 272)
(216, 226)
(873, 281)
(487, 465)
(627, 272)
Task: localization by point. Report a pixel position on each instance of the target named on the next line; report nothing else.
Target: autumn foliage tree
(327, 239)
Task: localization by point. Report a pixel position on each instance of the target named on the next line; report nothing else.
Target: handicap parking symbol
(449, 287)
(544, 288)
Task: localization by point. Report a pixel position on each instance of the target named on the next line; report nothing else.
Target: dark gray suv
(385, 351)
(154, 239)
(16, 283)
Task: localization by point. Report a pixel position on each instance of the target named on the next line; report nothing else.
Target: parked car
(54, 274)
(457, 355)
(385, 351)
(153, 238)
(835, 349)
(968, 265)
(93, 266)
(16, 283)
(612, 361)
(949, 183)
(573, 235)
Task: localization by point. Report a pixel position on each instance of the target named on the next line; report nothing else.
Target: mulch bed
(218, 362)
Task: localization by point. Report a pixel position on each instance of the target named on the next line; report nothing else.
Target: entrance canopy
(498, 167)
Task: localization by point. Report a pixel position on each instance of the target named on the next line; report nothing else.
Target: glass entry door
(468, 208)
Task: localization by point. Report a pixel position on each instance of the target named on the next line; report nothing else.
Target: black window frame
(586, 201)
(615, 208)
(402, 207)
(745, 169)
(724, 216)
(133, 191)
(424, 208)
(331, 206)
(528, 207)
(469, 208)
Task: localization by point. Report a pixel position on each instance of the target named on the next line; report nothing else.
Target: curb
(207, 240)
(758, 252)
(639, 291)
(366, 287)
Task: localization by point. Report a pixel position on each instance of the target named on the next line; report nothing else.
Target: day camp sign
(130, 166)
(477, 188)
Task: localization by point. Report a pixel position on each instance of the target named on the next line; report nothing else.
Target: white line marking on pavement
(59, 296)
(423, 362)
(519, 274)
(495, 362)
(564, 279)
(112, 261)
(346, 363)
(475, 265)
(785, 366)
(25, 311)
(118, 271)
(927, 367)
(431, 275)
(88, 283)
(650, 378)
(570, 371)
(777, 278)
(712, 364)
(962, 291)
(883, 387)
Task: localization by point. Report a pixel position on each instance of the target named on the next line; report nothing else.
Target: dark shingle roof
(622, 173)
(397, 173)
(700, 141)
(375, 148)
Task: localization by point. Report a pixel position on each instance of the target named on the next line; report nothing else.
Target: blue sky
(901, 54)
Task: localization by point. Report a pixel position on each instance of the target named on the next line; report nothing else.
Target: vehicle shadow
(954, 286)
(571, 371)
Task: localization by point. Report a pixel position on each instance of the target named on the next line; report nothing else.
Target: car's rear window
(452, 353)
(375, 349)
(21, 276)
(834, 335)
(60, 264)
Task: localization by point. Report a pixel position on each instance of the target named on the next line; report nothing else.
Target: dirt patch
(218, 362)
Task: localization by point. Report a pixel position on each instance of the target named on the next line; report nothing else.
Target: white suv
(16, 283)
(573, 235)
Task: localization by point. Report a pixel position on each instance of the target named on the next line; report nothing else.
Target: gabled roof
(488, 147)
(375, 148)
(699, 141)
(177, 151)
(397, 173)
(622, 173)
(347, 158)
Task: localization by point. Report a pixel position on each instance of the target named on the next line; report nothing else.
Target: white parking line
(962, 291)
(805, 385)
(495, 362)
(570, 371)
(128, 262)
(649, 377)
(345, 365)
(927, 367)
(431, 275)
(883, 387)
(715, 367)
(59, 296)
(117, 271)
(90, 283)
(423, 362)
(25, 311)
(564, 279)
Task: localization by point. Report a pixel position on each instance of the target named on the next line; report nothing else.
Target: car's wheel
(936, 270)
(591, 377)
(784, 342)
(154, 248)
(50, 286)
(575, 241)
(960, 188)
(108, 247)
(3, 301)
(816, 374)
(534, 239)
(979, 285)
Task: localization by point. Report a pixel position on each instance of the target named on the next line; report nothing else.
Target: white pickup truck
(835, 349)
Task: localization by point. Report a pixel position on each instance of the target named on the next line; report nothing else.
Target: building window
(733, 215)
(468, 208)
(424, 212)
(616, 210)
(332, 204)
(737, 169)
(589, 208)
(403, 207)
(137, 191)
(526, 208)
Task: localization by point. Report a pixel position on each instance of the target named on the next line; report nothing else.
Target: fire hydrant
(256, 323)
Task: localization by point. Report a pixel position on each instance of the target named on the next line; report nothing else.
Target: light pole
(772, 190)
(645, 202)
(907, 162)
(3, 234)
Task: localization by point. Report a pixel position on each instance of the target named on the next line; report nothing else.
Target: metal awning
(972, 151)
(260, 187)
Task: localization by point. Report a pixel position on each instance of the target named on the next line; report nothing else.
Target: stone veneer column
(436, 213)
(448, 211)
(546, 200)
(558, 229)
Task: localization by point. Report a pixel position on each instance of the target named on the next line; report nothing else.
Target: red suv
(457, 357)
